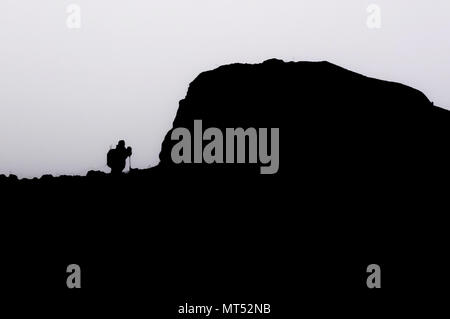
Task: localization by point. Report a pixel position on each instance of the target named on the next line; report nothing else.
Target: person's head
(121, 144)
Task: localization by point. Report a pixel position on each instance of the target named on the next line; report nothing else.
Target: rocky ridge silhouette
(312, 102)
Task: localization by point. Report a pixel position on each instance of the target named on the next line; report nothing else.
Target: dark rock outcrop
(330, 119)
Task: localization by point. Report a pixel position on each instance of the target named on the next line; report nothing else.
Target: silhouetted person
(117, 157)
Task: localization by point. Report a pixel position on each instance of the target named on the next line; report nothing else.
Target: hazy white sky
(66, 95)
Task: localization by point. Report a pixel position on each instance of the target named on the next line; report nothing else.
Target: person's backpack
(110, 157)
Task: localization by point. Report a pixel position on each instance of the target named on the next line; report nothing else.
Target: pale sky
(66, 95)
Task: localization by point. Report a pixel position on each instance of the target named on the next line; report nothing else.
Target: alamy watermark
(213, 151)
(73, 20)
(374, 17)
(374, 279)
(74, 279)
